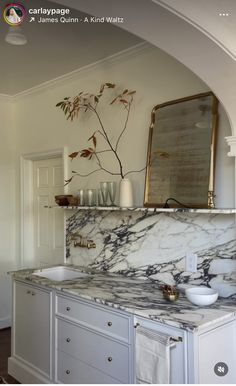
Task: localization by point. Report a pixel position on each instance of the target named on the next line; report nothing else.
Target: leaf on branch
(131, 92)
(124, 101)
(110, 85)
(94, 139)
(66, 98)
(125, 91)
(96, 99)
(87, 153)
(102, 88)
(73, 155)
(68, 181)
(113, 101)
(59, 104)
(74, 172)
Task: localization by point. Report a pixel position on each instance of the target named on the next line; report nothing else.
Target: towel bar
(176, 338)
(172, 338)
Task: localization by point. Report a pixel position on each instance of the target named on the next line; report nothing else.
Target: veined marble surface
(155, 210)
(139, 297)
(153, 245)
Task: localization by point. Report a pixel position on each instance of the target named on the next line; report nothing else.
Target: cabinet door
(31, 336)
(216, 355)
(178, 366)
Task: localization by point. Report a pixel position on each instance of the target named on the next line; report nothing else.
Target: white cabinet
(93, 344)
(60, 338)
(212, 355)
(30, 361)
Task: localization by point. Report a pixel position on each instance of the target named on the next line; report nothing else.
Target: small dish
(170, 293)
(62, 199)
(73, 201)
(201, 296)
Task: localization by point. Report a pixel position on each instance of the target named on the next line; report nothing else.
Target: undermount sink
(60, 273)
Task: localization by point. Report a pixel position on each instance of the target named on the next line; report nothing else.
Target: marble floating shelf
(154, 210)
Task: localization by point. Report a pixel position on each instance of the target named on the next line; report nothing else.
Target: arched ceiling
(197, 44)
(215, 18)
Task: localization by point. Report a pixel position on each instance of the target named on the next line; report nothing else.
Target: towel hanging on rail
(152, 356)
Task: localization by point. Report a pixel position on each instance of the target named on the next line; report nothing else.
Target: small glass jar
(81, 194)
(91, 197)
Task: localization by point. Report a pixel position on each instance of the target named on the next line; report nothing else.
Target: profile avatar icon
(14, 14)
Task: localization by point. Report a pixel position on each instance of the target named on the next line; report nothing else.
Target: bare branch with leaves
(84, 102)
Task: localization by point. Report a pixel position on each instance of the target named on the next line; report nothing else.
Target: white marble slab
(153, 245)
(139, 297)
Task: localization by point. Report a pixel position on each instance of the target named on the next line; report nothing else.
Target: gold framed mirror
(181, 153)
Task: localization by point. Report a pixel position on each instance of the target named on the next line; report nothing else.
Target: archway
(177, 37)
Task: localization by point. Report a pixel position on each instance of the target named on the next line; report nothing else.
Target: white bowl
(201, 296)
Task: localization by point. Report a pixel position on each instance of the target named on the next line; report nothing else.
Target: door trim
(26, 198)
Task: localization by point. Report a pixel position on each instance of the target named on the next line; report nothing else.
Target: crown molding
(231, 141)
(109, 60)
(6, 97)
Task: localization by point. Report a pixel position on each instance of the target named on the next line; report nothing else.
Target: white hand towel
(152, 356)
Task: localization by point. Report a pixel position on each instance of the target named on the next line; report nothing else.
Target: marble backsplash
(153, 245)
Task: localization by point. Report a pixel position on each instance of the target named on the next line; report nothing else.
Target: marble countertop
(139, 297)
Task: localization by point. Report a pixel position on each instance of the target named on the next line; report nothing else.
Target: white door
(48, 222)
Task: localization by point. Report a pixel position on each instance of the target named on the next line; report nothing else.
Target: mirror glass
(181, 153)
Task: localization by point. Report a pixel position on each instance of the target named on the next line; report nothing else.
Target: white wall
(155, 76)
(7, 209)
(37, 125)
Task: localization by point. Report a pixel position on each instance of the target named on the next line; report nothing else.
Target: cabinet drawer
(95, 317)
(94, 349)
(71, 370)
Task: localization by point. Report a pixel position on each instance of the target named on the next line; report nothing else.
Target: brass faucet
(83, 242)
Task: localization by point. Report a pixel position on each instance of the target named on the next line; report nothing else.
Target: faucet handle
(91, 244)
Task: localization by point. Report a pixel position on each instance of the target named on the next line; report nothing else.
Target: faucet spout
(84, 243)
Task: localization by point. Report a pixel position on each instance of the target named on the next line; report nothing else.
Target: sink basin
(60, 273)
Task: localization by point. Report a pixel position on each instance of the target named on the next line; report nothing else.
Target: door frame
(26, 198)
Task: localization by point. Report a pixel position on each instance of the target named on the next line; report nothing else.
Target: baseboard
(5, 322)
(23, 373)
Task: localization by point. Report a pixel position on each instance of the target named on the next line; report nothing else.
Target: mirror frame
(214, 126)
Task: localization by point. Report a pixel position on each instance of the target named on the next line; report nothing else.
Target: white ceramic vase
(126, 193)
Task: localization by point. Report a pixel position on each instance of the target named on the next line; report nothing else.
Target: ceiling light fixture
(15, 36)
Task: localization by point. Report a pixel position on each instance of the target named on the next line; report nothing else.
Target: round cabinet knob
(33, 293)
(109, 359)
(68, 340)
(67, 308)
(28, 292)
(109, 324)
(67, 372)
